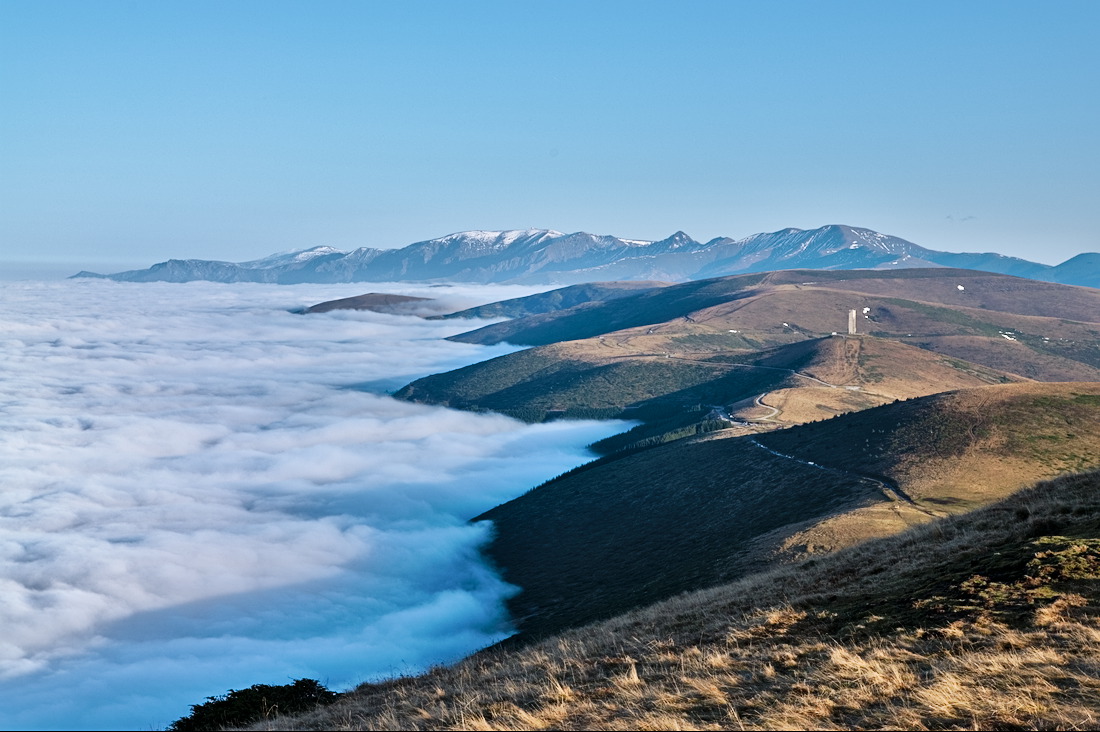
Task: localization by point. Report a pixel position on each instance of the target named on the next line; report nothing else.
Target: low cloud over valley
(202, 490)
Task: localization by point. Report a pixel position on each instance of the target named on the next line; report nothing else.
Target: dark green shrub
(240, 707)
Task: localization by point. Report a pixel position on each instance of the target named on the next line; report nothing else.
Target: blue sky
(131, 132)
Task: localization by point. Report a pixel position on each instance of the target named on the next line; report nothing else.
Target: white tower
(851, 322)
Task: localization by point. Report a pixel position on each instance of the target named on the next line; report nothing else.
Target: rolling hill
(951, 289)
(643, 525)
(806, 528)
(671, 389)
(681, 357)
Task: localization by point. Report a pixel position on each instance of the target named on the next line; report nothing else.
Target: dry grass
(973, 621)
(962, 449)
(806, 403)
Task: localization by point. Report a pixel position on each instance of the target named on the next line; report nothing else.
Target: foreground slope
(638, 527)
(987, 620)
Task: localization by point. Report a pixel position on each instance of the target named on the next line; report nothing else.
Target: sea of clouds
(202, 490)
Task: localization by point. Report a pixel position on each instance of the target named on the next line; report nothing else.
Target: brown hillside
(619, 374)
(988, 620)
(1043, 348)
(854, 373)
(963, 447)
(947, 289)
(949, 453)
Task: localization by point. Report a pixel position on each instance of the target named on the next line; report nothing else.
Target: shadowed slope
(603, 540)
(592, 293)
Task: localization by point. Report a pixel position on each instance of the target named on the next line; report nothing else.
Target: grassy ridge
(985, 620)
(554, 300)
(670, 395)
(932, 446)
(674, 393)
(655, 306)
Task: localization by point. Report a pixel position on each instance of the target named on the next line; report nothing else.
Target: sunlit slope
(986, 620)
(1038, 347)
(839, 374)
(637, 528)
(964, 447)
(617, 376)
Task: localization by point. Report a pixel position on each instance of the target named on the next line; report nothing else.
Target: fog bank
(198, 491)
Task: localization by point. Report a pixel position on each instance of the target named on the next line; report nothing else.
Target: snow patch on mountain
(496, 239)
(294, 255)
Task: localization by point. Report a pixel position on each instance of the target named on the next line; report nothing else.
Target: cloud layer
(197, 493)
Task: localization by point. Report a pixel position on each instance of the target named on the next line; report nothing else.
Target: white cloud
(196, 498)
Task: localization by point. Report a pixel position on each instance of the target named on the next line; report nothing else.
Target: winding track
(889, 487)
(758, 401)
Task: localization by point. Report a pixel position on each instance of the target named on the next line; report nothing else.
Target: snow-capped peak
(293, 255)
(498, 239)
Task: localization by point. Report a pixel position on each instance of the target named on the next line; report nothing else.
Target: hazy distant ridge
(543, 256)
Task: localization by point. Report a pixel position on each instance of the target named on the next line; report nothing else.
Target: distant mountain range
(543, 256)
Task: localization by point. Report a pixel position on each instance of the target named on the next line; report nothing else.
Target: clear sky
(131, 132)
